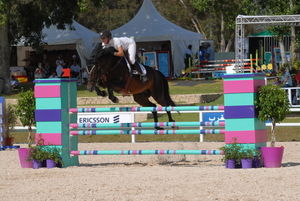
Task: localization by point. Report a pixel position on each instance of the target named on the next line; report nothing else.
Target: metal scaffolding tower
(242, 20)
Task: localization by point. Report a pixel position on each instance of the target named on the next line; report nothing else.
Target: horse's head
(102, 61)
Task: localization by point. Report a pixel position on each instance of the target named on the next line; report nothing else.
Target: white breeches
(132, 52)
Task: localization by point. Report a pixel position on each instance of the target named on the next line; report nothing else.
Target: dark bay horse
(112, 72)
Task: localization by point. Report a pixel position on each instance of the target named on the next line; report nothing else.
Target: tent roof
(149, 25)
(54, 36)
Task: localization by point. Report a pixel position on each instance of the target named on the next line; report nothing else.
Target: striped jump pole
(147, 152)
(147, 132)
(148, 124)
(147, 109)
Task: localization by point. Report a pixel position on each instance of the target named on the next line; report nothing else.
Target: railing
(293, 95)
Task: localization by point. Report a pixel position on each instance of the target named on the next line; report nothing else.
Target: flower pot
(24, 154)
(50, 163)
(272, 156)
(256, 163)
(230, 164)
(36, 164)
(246, 162)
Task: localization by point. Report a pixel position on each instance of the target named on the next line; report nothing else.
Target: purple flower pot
(50, 163)
(36, 164)
(246, 163)
(256, 163)
(230, 164)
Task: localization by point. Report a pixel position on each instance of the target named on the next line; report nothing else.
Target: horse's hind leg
(99, 92)
(143, 100)
(111, 95)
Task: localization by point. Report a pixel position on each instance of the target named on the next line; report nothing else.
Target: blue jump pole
(147, 152)
(146, 109)
(147, 132)
(148, 124)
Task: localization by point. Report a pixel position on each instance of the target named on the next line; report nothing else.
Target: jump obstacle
(56, 116)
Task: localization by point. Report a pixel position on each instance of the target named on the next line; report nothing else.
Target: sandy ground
(151, 177)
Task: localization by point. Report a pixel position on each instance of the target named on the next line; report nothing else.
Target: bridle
(94, 66)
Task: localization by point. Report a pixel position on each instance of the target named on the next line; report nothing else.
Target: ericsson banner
(104, 118)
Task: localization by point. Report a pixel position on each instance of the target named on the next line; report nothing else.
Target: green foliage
(272, 104)
(231, 151)
(247, 153)
(54, 155)
(25, 111)
(25, 108)
(296, 65)
(37, 153)
(10, 119)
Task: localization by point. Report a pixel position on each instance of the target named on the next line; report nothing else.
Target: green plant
(272, 104)
(37, 153)
(296, 65)
(231, 152)
(25, 110)
(54, 155)
(10, 120)
(247, 153)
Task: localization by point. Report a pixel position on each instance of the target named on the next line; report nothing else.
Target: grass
(176, 87)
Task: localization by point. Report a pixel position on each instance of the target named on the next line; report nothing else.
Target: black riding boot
(137, 67)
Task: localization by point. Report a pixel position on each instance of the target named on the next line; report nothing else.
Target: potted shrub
(37, 156)
(53, 158)
(247, 156)
(25, 111)
(272, 104)
(232, 155)
(10, 120)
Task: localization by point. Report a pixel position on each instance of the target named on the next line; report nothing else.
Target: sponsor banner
(102, 118)
(213, 116)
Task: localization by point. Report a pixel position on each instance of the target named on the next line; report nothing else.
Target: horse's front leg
(111, 95)
(99, 92)
(155, 118)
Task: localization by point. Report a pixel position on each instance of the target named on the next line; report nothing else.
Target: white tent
(84, 38)
(148, 25)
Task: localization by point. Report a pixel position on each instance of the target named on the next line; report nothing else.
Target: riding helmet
(106, 34)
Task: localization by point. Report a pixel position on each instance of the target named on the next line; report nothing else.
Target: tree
(278, 7)
(224, 13)
(25, 111)
(26, 19)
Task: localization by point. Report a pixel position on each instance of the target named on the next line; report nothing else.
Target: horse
(112, 72)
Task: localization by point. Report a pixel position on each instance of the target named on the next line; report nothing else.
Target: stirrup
(143, 78)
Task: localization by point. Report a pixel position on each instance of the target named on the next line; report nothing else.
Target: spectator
(277, 81)
(84, 76)
(298, 85)
(75, 69)
(59, 68)
(38, 73)
(202, 53)
(209, 52)
(286, 78)
(188, 57)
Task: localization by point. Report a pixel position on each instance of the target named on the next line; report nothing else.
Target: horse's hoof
(114, 100)
(101, 93)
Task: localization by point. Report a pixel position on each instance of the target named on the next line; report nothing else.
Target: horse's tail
(166, 90)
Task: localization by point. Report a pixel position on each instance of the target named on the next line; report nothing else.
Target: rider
(122, 45)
